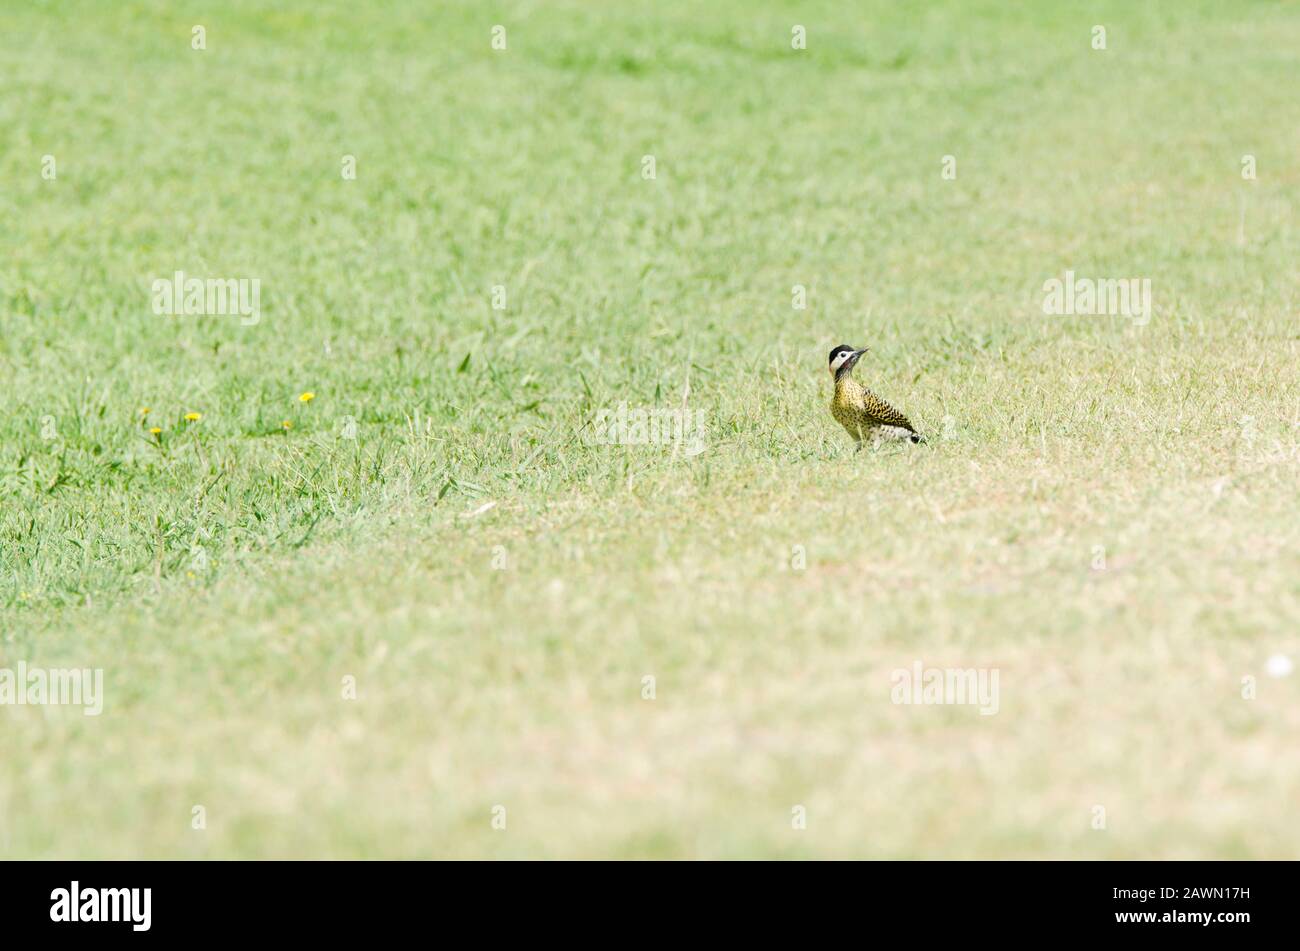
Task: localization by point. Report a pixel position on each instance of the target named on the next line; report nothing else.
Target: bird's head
(843, 359)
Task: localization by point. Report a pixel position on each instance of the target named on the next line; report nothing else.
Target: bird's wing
(881, 412)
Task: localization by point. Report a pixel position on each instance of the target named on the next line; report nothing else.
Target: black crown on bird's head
(838, 350)
(844, 357)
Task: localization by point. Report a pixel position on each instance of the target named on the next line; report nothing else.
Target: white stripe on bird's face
(846, 356)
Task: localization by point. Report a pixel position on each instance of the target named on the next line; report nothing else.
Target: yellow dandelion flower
(193, 417)
(155, 430)
(287, 424)
(144, 411)
(307, 397)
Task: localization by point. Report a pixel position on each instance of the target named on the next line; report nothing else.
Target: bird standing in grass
(864, 414)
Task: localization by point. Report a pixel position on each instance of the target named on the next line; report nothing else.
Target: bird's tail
(916, 437)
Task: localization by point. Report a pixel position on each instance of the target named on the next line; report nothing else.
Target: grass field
(1105, 513)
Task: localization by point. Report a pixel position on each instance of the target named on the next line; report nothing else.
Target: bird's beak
(858, 353)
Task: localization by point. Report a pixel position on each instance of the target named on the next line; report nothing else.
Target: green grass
(229, 574)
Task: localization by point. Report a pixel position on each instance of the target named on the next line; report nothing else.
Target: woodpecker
(864, 414)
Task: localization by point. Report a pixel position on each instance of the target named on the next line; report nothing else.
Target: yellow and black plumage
(864, 414)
